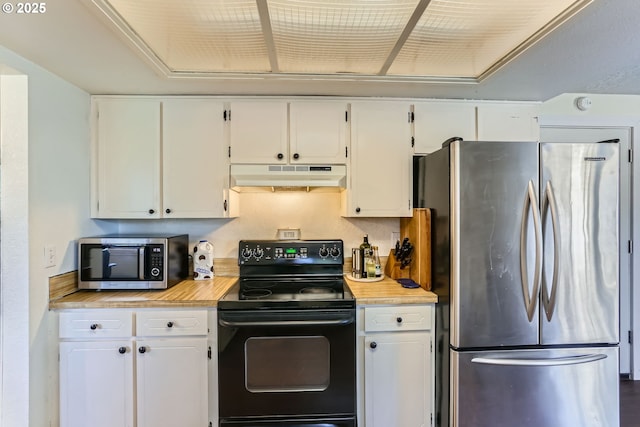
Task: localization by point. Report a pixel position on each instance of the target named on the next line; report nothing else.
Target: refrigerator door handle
(530, 203)
(559, 361)
(549, 204)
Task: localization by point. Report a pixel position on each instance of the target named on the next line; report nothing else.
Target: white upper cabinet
(126, 166)
(194, 159)
(508, 121)
(318, 132)
(380, 164)
(258, 131)
(436, 121)
(159, 158)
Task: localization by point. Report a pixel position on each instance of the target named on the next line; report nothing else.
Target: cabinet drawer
(167, 323)
(397, 318)
(96, 324)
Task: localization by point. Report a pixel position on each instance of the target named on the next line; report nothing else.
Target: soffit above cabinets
(448, 40)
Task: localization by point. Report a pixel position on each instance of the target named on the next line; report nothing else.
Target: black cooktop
(289, 274)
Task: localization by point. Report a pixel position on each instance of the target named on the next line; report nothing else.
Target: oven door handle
(248, 318)
(235, 324)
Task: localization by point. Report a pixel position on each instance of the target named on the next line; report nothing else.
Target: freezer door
(535, 388)
(495, 249)
(579, 205)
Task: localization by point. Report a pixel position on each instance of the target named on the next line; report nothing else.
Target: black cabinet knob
(296, 156)
(373, 344)
(152, 211)
(399, 319)
(167, 210)
(280, 156)
(357, 210)
(142, 350)
(169, 324)
(122, 350)
(94, 326)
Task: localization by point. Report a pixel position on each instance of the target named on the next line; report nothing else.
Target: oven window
(289, 363)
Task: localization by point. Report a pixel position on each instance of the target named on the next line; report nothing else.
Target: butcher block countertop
(206, 293)
(188, 293)
(388, 291)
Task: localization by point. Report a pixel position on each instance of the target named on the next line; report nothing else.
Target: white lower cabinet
(397, 366)
(96, 383)
(156, 376)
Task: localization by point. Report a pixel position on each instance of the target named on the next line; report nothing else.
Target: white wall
(58, 195)
(317, 214)
(14, 228)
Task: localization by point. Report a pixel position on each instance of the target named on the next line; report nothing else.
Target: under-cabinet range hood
(288, 176)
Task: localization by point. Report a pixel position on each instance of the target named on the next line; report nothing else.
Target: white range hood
(288, 176)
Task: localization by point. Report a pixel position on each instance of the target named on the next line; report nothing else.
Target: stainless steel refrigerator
(525, 265)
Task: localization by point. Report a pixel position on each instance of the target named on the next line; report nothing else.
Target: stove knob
(335, 252)
(246, 253)
(258, 253)
(324, 252)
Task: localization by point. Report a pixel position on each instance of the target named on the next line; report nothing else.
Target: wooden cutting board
(418, 230)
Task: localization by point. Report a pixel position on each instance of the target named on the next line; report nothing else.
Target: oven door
(291, 367)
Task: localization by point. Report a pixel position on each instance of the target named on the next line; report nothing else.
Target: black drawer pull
(373, 344)
(142, 350)
(169, 324)
(94, 326)
(122, 350)
(399, 319)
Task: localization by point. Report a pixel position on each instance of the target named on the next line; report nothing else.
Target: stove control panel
(287, 252)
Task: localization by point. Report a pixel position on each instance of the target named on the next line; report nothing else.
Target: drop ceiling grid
(460, 38)
(199, 35)
(336, 36)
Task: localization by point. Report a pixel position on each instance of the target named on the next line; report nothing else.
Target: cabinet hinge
(209, 352)
(229, 151)
(630, 246)
(431, 346)
(431, 419)
(413, 142)
(630, 337)
(346, 151)
(630, 156)
(224, 115)
(346, 116)
(210, 424)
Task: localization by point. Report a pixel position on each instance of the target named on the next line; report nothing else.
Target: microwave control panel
(155, 261)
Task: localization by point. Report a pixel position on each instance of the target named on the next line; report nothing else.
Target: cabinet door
(194, 160)
(172, 382)
(508, 122)
(435, 122)
(381, 160)
(96, 384)
(318, 132)
(127, 158)
(397, 377)
(258, 131)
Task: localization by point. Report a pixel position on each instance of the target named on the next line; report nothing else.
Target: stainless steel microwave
(132, 261)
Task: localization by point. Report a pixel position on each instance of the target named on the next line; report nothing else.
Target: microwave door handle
(141, 262)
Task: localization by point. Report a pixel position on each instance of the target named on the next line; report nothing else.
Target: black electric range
(287, 338)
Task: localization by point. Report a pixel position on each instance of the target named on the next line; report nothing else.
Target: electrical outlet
(49, 256)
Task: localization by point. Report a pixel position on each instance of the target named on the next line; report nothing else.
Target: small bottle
(365, 254)
(376, 261)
